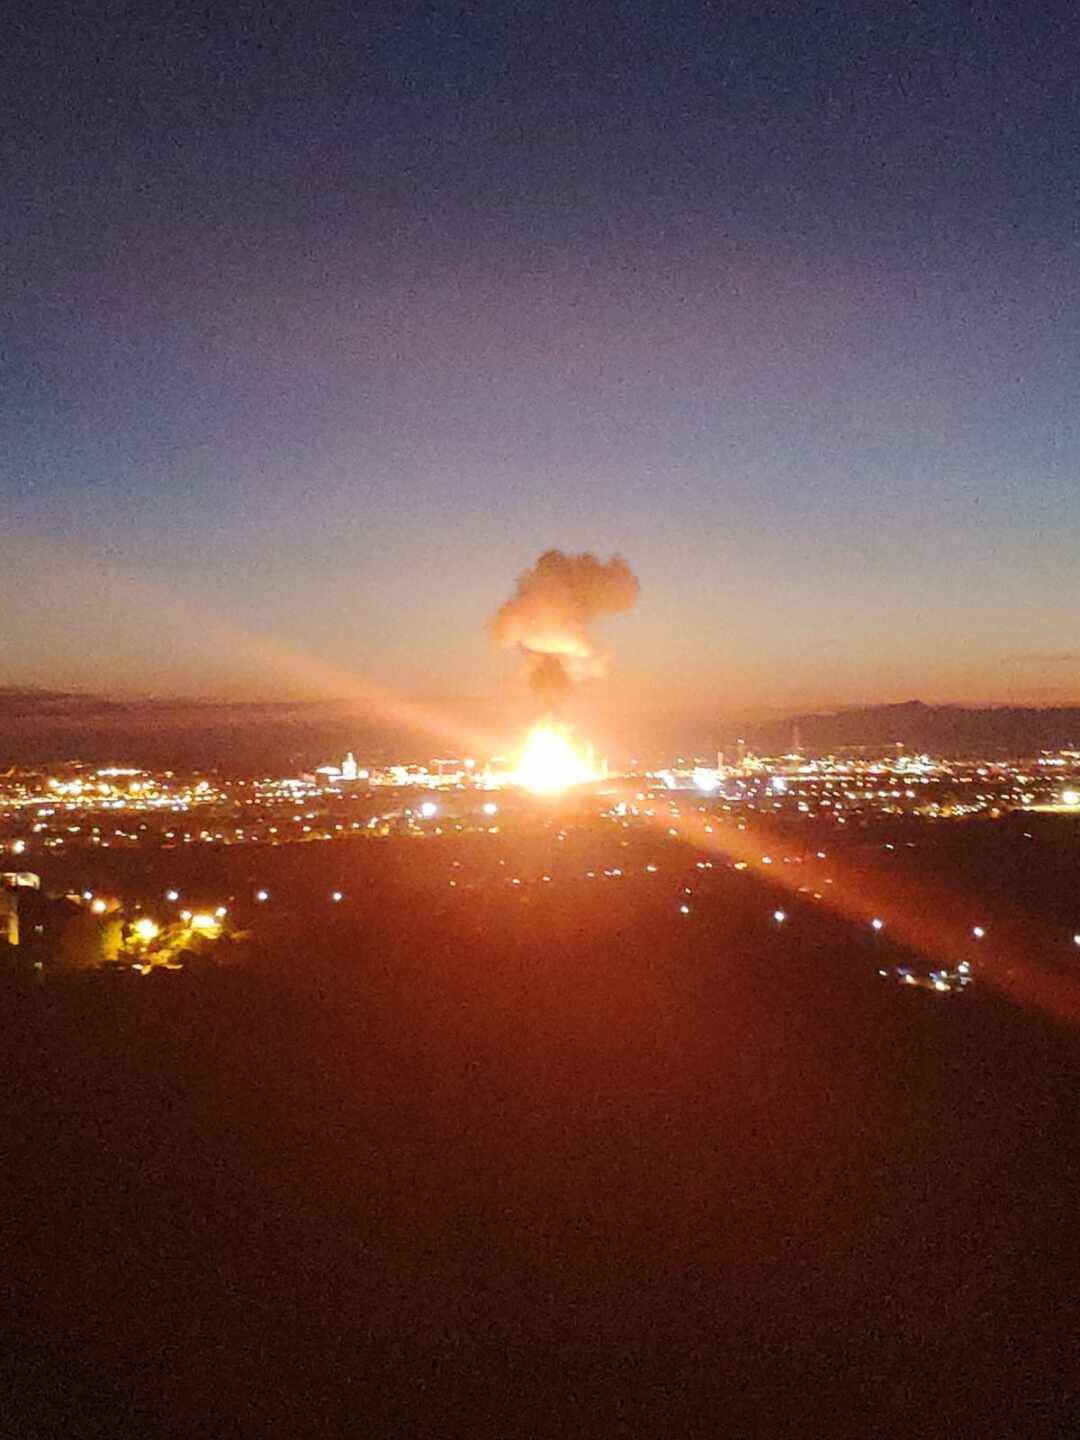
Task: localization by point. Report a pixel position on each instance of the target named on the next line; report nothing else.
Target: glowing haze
(551, 612)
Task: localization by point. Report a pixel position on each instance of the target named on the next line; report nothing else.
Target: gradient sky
(319, 327)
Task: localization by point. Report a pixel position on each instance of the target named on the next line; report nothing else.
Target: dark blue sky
(319, 326)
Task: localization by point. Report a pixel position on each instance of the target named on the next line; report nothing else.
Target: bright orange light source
(549, 762)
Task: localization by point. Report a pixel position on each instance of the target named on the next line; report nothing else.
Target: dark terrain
(548, 1161)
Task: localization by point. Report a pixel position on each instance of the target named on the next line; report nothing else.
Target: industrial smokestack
(550, 612)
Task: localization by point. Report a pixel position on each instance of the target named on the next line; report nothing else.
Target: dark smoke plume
(548, 679)
(550, 612)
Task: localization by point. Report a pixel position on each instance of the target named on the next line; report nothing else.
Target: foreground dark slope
(576, 1168)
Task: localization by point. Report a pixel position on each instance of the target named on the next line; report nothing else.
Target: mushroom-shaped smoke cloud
(550, 612)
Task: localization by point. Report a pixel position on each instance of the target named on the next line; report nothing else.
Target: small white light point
(978, 931)
(779, 916)
(877, 924)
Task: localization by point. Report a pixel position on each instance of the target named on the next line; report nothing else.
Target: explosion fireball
(549, 763)
(549, 619)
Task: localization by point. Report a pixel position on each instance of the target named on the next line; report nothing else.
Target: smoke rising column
(550, 613)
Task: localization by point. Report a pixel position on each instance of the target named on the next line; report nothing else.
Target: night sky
(319, 326)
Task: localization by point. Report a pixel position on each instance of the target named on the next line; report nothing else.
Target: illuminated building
(21, 880)
(9, 917)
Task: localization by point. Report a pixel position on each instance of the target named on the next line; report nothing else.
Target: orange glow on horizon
(308, 677)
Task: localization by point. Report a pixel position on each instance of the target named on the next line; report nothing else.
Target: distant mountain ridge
(938, 729)
(41, 725)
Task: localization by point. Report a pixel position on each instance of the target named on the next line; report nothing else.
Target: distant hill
(23, 702)
(41, 726)
(938, 729)
(38, 726)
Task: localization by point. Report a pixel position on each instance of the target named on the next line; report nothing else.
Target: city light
(679, 805)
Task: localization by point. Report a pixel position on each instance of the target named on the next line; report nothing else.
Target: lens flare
(549, 762)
